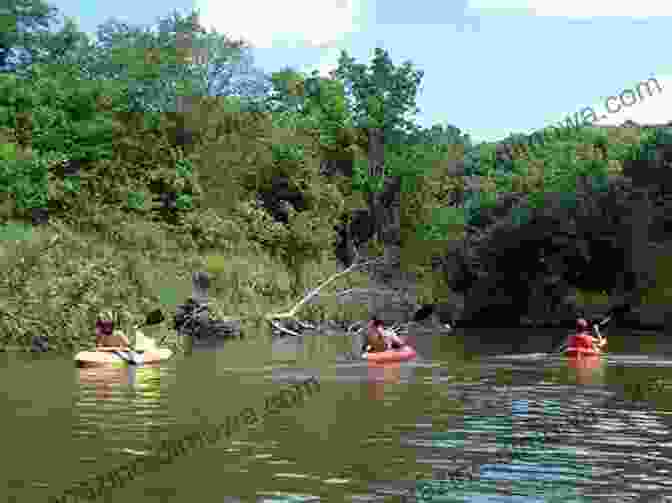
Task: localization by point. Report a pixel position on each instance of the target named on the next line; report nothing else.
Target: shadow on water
(461, 422)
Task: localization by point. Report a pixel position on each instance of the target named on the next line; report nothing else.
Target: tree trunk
(636, 242)
(384, 205)
(376, 169)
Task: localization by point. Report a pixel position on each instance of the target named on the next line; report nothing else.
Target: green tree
(177, 59)
(64, 47)
(143, 60)
(229, 68)
(381, 98)
(22, 24)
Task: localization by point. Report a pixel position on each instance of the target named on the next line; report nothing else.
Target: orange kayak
(391, 355)
(105, 358)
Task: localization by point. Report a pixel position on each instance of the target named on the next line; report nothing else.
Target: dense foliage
(561, 167)
(174, 131)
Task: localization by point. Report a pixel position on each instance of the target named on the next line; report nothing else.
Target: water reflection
(525, 466)
(589, 370)
(526, 430)
(381, 376)
(124, 404)
(111, 381)
(107, 380)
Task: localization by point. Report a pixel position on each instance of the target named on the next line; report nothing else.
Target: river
(525, 427)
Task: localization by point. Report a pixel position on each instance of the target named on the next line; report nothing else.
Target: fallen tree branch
(303, 324)
(277, 326)
(292, 312)
(355, 291)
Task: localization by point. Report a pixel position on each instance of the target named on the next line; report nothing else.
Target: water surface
(522, 427)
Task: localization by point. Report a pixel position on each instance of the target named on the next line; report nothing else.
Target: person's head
(105, 326)
(105, 322)
(581, 325)
(376, 322)
(375, 326)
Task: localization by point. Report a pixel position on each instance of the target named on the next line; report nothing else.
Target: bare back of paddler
(375, 336)
(108, 339)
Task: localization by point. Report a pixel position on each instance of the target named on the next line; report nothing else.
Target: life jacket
(582, 341)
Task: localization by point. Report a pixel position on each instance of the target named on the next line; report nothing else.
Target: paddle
(614, 311)
(594, 325)
(153, 318)
(425, 312)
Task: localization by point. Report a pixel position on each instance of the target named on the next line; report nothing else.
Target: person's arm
(396, 338)
(124, 340)
(392, 340)
(99, 337)
(601, 341)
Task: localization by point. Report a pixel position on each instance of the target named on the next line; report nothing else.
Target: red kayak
(391, 355)
(578, 352)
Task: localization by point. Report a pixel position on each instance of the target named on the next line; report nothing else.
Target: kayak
(391, 355)
(578, 352)
(104, 358)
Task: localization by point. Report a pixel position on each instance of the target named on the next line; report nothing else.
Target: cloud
(290, 23)
(631, 102)
(639, 104)
(328, 62)
(577, 8)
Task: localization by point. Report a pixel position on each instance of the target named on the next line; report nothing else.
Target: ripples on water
(521, 429)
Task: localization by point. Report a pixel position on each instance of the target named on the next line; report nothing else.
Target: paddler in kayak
(378, 339)
(109, 339)
(583, 339)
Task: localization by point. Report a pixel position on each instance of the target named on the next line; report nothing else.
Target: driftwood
(291, 314)
(282, 329)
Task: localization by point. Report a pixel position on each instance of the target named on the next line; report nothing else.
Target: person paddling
(378, 339)
(583, 339)
(109, 339)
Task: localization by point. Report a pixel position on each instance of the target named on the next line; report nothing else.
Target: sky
(491, 67)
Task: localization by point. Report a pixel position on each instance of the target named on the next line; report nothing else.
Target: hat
(105, 326)
(581, 324)
(376, 322)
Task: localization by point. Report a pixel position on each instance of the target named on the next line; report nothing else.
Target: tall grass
(58, 279)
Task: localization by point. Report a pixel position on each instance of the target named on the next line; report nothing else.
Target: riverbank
(60, 278)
